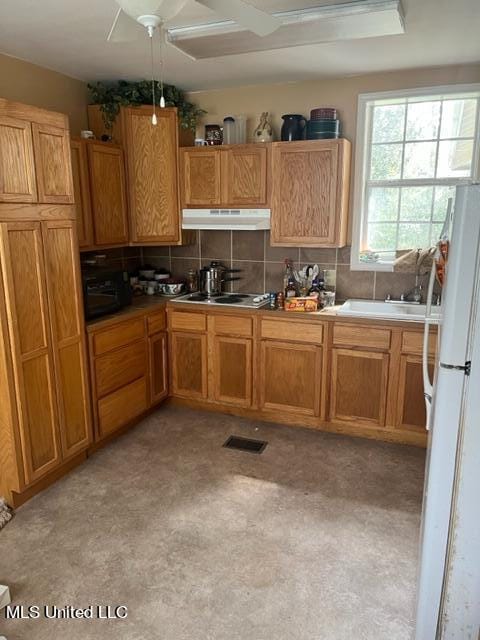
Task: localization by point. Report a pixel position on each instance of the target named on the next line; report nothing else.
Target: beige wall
(341, 93)
(300, 97)
(25, 82)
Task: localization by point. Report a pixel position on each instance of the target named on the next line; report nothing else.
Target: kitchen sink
(387, 310)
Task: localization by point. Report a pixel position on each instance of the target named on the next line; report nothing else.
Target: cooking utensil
(213, 277)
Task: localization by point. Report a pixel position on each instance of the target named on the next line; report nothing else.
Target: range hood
(228, 219)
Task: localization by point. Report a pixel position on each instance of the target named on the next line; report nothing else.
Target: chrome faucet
(414, 296)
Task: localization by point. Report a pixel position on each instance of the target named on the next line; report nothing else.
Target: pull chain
(154, 114)
(162, 99)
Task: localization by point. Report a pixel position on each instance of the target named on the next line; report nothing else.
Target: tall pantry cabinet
(45, 419)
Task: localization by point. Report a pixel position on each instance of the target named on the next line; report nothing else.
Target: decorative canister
(293, 127)
(213, 134)
(264, 131)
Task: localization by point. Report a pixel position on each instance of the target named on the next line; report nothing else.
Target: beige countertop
(144, 304)
(140, 305)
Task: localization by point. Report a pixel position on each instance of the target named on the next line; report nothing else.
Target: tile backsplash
(262, 266)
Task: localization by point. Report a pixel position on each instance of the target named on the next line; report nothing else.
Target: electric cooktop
(248, 300)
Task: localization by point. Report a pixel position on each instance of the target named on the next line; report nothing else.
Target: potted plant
(113, 95)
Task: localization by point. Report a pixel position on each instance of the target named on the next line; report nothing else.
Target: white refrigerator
(448, 597)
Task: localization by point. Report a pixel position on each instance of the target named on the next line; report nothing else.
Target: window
(413, 148)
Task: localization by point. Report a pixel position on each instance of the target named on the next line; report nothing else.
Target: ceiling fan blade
(124, 29)
(245, 15)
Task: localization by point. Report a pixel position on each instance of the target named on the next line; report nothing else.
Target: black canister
(293, 127)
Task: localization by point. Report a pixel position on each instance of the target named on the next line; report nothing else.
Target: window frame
(363, 154)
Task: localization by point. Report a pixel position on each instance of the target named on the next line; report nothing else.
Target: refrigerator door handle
(427, 383)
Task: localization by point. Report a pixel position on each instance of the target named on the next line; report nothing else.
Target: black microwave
(105, 291)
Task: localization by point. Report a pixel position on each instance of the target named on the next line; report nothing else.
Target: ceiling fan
(154, 14)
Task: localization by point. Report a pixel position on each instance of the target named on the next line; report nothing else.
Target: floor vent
(245, 444)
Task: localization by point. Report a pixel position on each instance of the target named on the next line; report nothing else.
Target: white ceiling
(69, 36)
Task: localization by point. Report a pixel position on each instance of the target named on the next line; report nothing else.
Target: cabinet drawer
(120, 367)
(353, 336)
(118, 336)
(121, 406)
(412, 342)
(184, 321)
(156, 322)
(295, 331)
(233, 326)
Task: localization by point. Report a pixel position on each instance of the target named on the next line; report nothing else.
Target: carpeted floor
(315, 539)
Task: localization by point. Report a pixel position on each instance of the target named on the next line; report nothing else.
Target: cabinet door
(17, 170)
(244, 178)
(152, 175)
(232, 370)
(109, 200)
(158, 367)
(359, 386)
(53, 164)
(411, 413)
(290, 377)
(67, 325)
(309, 193)
(189, 364)
(81, 191)
(29, 328)
(201, 177)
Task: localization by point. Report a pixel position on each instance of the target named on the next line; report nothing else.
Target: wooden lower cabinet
(128, 367)
(232, 370)
(158, 354)
(188, 358)
(359, 382)
(290, 377)
(120, 407)
(411, 412)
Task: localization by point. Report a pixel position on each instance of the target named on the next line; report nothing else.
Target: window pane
(455, 159)
(435, 232)
(413, 236)
(458, 118)
(440, 202)
(419, 160)
(383, 204)
(416, 203)
(388, 123)
(423, 119)
(382, 236)
(386, 161)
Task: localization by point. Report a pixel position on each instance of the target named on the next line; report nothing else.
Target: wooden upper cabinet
(108, 193)
(230, 176)
(201, 177)
(81, 190)
(30, 338)
(310, 188)
(152, 175)
(245, 169)
(53, 164)
(17, 169)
